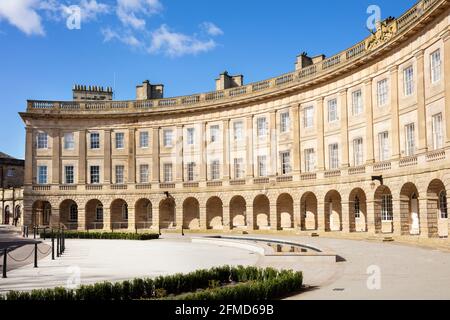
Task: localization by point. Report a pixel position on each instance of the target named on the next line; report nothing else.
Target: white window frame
(308, 117)
(333, 156)
(310, 162)
(239, 168)
(358, 152)
(125, 212)
(168, 138)
(408, 81)
(285, 158)
(382, 92)
(436, 66)
(144, 140)
(144, 173)
(438, 132)
(410, 139)
(42, 174)
(261, 127)
(285, 122)
(262, 166)
(119, 174)
(69, 174)
(214, 170)
(73, 212)
(94, 177)
(332, 111)
(443, 207)
(168, 172)
(42, 140)
(99, 212)
(357, 207)
(357, 103)
(94, 140)
(238, 130)
(190, 136)
(214, 132)
(383, 145)
(120, 140)
(386, 208)
(190, 171)
(69, 141)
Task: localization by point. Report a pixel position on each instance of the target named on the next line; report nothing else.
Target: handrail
(304, 75)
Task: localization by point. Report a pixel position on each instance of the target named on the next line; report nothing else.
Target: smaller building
(11, 189)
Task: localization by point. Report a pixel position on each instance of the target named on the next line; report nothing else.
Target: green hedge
(236, 283)
(105, 235)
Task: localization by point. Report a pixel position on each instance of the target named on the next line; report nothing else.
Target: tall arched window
(73, 212)
(443, 204)
(357, 208)
(125, 212)
(99, 212)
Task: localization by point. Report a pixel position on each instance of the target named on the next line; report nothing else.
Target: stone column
(203, 218)
(423, 217)
(226, 150)
(296, 149)
(179, 154)
(273, 169)
(297, 215)
(56, 157)
(273, 216)
(226, 217)
(421, 112)
(395, 135)
(203, 157)
(320, 136)
(344, 128)
(54, 218)
(178, 214)
(321, 216)
(155, 215)
(370, 216)
(131, 218)
(106, 219)
(370, 157)
(107, 156)
(250, 216)
(132, 155)
(81, 219)
(345, 213)
(446, 61)
(249, 138)
(82, 157)
(155, 157)
(29, 143)
(397, 224)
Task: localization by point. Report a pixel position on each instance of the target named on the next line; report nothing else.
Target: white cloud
(91, 9)
(132, 13)
(23, 15)
(177, 44)
(211, 29)
(128, 39)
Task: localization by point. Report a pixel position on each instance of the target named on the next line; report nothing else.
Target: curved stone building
(358, 142)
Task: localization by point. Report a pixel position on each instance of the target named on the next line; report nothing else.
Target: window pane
(408, 81)
(143, 139)
(69, 141)
(95, 140)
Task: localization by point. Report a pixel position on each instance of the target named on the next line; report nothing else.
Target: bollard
(182, 230)
(159, 230)
(53, 246)
(5, 258)
(45, 231)
(34, 232)
(63, 244)
(27, 231)
(57, 245)
(35, 255)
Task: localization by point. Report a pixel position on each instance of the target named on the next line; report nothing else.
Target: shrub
(105, 235)
(238, 283)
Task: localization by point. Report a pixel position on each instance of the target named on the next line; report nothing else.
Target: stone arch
(309, 216)
(7, 215)
(167, 218)
(41, 213)
(409, 210)
(68, 214)
(261, 212)
(437, 209)
(214, 213)
(333, 211)
(191, 214)
(238, 212)
(285, 212)
(143, 209)
(119, 214)
(94, 214)
(357, 203)
(383, 210)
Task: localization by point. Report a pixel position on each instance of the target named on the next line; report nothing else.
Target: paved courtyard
(401, 272)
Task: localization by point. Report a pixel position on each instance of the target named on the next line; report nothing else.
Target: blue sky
(182, 44)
